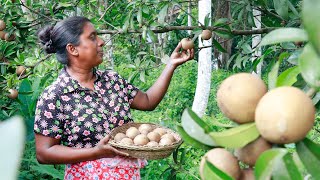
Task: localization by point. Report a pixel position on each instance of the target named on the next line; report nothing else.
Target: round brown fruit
(144, 131)
(13, 94)
(2, 25)
(152, 144)
(247, 174)
(161, 131)
(126, 141)
(206, 34)
(144, 127)
(118, 137)
(21, 70)
(238, 96)
(223, 160)
(165, 141)
(154, 136)
(141, 140)
(250, 153)
(2, 34)
(132, 132)
(9, 37)
(169, 136)
(187, 43)
(284, 115)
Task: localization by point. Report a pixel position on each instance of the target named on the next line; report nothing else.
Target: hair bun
(44, 36)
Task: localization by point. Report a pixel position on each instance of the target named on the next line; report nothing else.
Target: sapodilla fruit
(141, 140)
(9, 37)
(21, 70)
(169, 136)
(284, 115)
(223, 160)
(250, 153)
(2, 34)
(206, 34)
(144, 127)
(161, 131)
(238, 96)
(132, 132)
(247, 174)
(154, 136)
(126, 141)
(119, 136)
(13, 94)
(2, 25)
(187, 43)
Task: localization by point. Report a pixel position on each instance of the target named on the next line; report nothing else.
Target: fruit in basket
(223, 160)
(165, 141)
(152, 144)
(132, 132)
(126, 141)
(169, 136)
(144, 131)
(145, 127)
(118, 137)
(154, 136)
(141, 140)
(161, 131)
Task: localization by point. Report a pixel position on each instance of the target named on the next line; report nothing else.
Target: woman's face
(90, 49)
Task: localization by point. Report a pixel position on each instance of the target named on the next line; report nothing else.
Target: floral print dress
(81, 117)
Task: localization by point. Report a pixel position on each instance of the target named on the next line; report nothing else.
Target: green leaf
(48, 170)
(284, 35)
(223, 33)
(236, 137)
(218, 45)
(310, 20)
(191, 141)
(309, 153)
(266, 161)
(286, 168)
(139, 16)
(190, 122)
(220, 22)
(162, 14)
(293, 58)
(152, 36)
(273, 74)
(12, 133)
(309, 64)
(282, 8)
(288, 77)
(210, 172)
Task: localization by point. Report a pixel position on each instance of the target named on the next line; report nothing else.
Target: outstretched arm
(150, 99)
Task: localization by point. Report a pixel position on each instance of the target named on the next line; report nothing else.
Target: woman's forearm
(59, 154)
(156, 92)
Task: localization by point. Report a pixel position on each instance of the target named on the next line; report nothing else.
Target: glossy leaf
(236, 137)
(139, 16)
(281, 7)
(162, 14)
(264, 165)
(311, 23)
(12, 133)
(210, 172)
(284, 35)
(273, 74)
(189, 121)
(288, 77)
(218, 45)
(309, 64)
(189, 140)
(285, 168)
(309, 153)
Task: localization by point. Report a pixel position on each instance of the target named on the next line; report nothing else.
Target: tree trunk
(222, 10)
(204, 66)
(256, 39)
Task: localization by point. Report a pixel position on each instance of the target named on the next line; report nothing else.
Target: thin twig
(104, 13)
(52, 19)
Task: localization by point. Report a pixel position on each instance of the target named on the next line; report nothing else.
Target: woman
(76, 113)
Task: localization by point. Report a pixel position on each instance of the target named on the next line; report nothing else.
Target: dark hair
(54, 39)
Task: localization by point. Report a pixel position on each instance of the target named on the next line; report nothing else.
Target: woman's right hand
(105, 150)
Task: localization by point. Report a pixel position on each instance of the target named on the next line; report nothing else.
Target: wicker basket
(144, 152)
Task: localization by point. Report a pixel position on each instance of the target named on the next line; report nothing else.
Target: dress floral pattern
(81, 117)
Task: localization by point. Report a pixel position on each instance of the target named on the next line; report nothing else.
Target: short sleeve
(48, 115)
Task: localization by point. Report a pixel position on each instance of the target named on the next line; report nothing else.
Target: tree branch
(172, 28)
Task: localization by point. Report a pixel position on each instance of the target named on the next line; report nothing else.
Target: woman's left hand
(177, 58)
